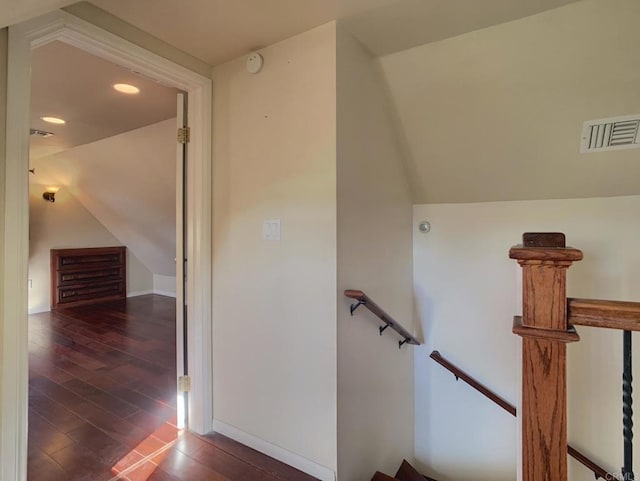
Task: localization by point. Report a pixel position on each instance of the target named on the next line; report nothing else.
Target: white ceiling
(77, 86)
(15, 11)
(219, 30)
(497, 114)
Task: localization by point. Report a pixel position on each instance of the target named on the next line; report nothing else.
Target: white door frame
(13, 336)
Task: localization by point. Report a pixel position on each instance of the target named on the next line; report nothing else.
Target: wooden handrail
(598, 471)
(481, 388)
(364, 300)
(608, 314)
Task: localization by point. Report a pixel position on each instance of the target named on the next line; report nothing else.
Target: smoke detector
(255, 63)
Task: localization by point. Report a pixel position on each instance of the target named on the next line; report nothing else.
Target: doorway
(102, 323)
(67, 28)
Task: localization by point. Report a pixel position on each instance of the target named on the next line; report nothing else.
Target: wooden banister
(364, 300)
(481, 388)
(608, 314)
(598, 471)
(543, 329)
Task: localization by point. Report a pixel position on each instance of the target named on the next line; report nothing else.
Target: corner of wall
(3, 116)
(374, 255)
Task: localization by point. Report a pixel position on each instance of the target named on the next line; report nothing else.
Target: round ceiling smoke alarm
(255, 63)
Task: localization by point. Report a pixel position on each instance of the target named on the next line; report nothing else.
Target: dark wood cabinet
(87, 275)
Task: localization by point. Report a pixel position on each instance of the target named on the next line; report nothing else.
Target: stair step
(382, 477)
(406, 472)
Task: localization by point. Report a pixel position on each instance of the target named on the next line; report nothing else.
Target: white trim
(292, 459)
(39, 310)
(139, 293)
(164, 293)
(62, 26)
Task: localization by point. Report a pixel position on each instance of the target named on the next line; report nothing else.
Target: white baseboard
(152, 291)
(292, 459)
(164, 293)
(139, 293)
(39, 310)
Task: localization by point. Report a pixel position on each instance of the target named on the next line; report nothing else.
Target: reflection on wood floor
(102, 402)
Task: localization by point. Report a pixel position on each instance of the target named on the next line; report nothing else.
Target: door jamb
(65, 27)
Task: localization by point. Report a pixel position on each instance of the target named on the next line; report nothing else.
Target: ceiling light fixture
(126, 89)
(54, 120)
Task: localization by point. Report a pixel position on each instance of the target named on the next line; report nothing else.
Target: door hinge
(184, 135)
(184, 384)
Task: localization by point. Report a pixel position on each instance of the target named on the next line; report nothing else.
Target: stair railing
(546, 326)
(364, 300)
(598, 471)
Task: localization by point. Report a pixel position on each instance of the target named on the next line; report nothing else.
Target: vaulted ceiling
(219, 30)
(71, 84)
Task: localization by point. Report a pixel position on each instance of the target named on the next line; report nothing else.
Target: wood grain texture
(607, 314)
(545, 332)
(87, 275)
(544, 296)
(570, 335)
(544, 422)
(545, 254)
(102, 402)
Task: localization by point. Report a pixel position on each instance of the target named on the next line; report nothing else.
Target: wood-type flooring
(102, 402)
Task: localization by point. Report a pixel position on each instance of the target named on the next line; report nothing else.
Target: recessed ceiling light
(54, 120)
(126, 88)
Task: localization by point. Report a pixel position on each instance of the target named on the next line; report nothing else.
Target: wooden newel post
(543, 327)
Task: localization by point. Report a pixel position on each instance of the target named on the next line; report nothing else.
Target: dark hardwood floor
(102, 402)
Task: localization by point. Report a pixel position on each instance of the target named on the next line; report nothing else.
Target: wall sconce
(50, 194)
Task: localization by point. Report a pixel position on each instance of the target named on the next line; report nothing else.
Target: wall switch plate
(271, 230)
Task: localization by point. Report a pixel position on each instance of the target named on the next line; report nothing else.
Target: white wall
(164, 285)
(128, 182)
(67, 224)
(3, 117)
(467, 293)
(487, 115)
(375, 378)
(275, 302)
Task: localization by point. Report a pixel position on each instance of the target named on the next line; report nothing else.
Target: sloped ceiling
(497, 114)
(74, 85)
(128, 183)
(219, 30)
(116, 153)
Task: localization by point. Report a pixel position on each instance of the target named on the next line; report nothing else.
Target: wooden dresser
(84, 276)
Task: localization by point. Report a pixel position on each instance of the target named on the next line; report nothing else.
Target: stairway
(406, 472)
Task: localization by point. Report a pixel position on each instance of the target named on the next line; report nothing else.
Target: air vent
(616, 133)
(41, 133)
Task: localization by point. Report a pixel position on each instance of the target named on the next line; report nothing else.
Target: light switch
(271, 230)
